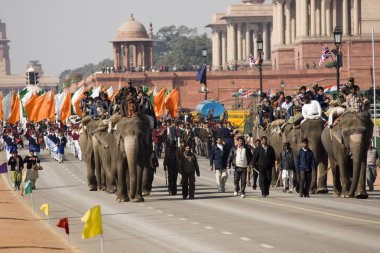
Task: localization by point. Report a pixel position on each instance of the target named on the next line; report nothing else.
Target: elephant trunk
(359, 153)
(131, 147)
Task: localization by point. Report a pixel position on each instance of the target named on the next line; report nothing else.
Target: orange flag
(77, 104)
(38, 113)
(66, 107)
(51, 106)
(114, 95)
(159, 101)
(30, 104)
(172, 103)
(1, 106)
(14, 117)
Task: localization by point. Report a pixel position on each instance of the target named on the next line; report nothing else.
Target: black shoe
(264, 196)
(307, 196)
(301, 195)
(191, 197)
(184, 197)
(254, 187)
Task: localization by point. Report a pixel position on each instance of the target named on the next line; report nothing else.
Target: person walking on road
(31, 161)
(188, 168)
(371, 173)
(264, 161)
(218, 161)
(171, 164)
(17, 164)
(305, 165)
(255, 172)
(240, 157)
(287, 167)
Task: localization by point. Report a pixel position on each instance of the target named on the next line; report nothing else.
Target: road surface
(213, 222)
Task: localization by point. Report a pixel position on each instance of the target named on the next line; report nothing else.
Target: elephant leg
(361, 192)
(139, 184)
(121, 190)
(145, 181)
(337, 186)
(131, 148)
(274, 175)
(91, 178)
(343, 175)
(322, 179)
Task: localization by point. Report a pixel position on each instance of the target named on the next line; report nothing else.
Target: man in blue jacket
(218, 161)
(305, 165)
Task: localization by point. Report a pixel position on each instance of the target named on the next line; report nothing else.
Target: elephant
(347, 144)
(311, 129)
(132, 152)
(94, 144)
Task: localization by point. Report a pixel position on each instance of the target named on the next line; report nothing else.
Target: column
(138, 48)
(239, 42)
(126, 56)
(356, 17)
(255, 34)
(288, 26)
(328, 18)
(115, 57)
(298, 18)
(345, 18)
(312, 17)
(304, 18)
(323, 17)
(318, 19)
(134, 56)
(120, 56)
(224, 49)
(280, 23)
(151, 55)
(244, 45)
(215, 50)
(334, 13)
(265, 41)
(293, 23)
(231, 46)
(274, 33)
(248, 40)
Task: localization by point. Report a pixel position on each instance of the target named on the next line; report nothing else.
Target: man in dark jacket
(287, 167)
(17, 164)
(305, 165)
(218, 161)
(264, 161)
(188, 168)
(240, 157)
(171, 164)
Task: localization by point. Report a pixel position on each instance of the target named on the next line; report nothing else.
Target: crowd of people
(181, 141)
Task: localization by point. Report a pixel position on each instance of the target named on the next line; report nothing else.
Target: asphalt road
(213, 222)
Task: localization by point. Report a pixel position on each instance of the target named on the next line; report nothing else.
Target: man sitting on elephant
(355, 102)
(311, 109)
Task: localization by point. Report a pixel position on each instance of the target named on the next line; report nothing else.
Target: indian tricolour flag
(332, 88)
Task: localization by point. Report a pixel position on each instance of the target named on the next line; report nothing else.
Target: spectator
(371, 170)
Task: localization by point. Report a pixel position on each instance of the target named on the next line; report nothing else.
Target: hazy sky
(65, 34)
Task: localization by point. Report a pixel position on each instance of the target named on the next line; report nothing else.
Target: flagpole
(31, 197)
(374, 78)
(101, 244)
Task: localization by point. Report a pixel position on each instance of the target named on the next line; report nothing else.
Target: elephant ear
(102, 140)
(337, 134)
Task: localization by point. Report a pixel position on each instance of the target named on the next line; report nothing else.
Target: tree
(180, 46)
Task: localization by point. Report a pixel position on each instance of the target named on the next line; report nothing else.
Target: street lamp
(204, 54)
(260, 50)
(338, 42)
(282, 85)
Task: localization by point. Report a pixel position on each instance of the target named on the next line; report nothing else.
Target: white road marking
(141, 204)
(245, 239)
(226, 233)
(149, 207)
(267, 246)
(194, 223)
(182, 219)
(170, 215)
(159, 211)
(209, 227)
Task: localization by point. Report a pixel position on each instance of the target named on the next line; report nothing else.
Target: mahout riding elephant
(311, 129)
(133, 140)
(347, 144)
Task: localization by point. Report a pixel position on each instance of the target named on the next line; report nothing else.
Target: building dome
(131, 30)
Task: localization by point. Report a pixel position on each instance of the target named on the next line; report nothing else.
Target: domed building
(133, 46)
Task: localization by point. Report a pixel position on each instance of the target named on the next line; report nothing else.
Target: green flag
(28, 187)
(23, 92)
(41, 92)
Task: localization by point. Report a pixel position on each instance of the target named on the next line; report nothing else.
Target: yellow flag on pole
(45, 208)
(93, 223)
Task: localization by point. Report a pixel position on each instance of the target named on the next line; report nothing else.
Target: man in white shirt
(287, 107)
(311, 109)
(240, 157)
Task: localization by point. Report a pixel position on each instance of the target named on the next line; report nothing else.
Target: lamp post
(338, 42)
(260, 50)
(204, 54)
(282, 85)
